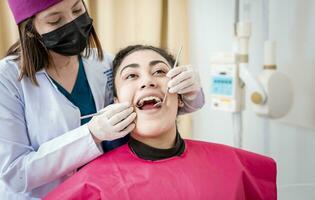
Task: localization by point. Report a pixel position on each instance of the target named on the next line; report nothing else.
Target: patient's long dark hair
(123, 53)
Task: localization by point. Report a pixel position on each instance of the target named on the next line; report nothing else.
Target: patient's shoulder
(246, 158)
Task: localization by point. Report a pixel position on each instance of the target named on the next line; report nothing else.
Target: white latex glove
(115, 122)
(184, 80)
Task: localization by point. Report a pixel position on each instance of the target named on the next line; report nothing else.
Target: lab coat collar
(95, 74)
(42, 71)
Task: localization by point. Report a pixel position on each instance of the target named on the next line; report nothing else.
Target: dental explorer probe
(175, 65)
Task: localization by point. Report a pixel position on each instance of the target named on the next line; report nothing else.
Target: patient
(157, 163)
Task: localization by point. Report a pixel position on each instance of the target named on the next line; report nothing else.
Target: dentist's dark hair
(123, 53)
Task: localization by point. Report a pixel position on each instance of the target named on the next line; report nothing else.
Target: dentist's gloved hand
(184, 80)
(115, 121)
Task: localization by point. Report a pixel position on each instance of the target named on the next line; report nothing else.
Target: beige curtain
(8, 28)
(120, 23)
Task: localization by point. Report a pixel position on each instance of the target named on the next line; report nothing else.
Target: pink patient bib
(203, 171)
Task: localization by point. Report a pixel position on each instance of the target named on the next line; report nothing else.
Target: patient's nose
(148, 83)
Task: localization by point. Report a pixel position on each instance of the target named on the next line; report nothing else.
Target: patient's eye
(130, 76)
(160, 72)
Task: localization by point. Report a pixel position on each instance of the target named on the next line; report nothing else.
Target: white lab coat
(41, 140)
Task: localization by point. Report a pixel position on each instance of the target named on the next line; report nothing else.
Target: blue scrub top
(82, 97)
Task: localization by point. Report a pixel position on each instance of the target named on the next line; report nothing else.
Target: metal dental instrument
(91, 115)
(175, 64)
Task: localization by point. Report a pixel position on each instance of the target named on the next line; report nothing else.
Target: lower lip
(150, 111)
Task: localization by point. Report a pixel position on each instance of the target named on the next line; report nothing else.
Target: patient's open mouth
(148, 103)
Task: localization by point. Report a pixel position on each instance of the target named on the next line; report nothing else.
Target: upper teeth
(149, 98)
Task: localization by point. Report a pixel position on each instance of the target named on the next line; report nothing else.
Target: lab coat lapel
(94, 71)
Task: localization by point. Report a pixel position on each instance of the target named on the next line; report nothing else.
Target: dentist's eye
(54, 23)
(77, 11)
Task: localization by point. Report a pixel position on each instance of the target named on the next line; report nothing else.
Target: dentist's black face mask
(70, 39)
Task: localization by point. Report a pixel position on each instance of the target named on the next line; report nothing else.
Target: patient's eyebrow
(155, 62)
(133, 65)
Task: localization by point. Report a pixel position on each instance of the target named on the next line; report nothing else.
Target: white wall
(291, 140)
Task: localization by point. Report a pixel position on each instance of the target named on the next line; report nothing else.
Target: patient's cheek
(125, 94)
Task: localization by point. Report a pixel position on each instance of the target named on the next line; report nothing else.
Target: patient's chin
(149, 129)
(155, 123)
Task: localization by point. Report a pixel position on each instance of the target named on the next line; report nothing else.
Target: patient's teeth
(148, 98)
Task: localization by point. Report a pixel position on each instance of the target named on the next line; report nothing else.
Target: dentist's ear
(180, 101)
(116, 100)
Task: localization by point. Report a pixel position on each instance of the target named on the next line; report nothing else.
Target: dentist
(55, 74)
